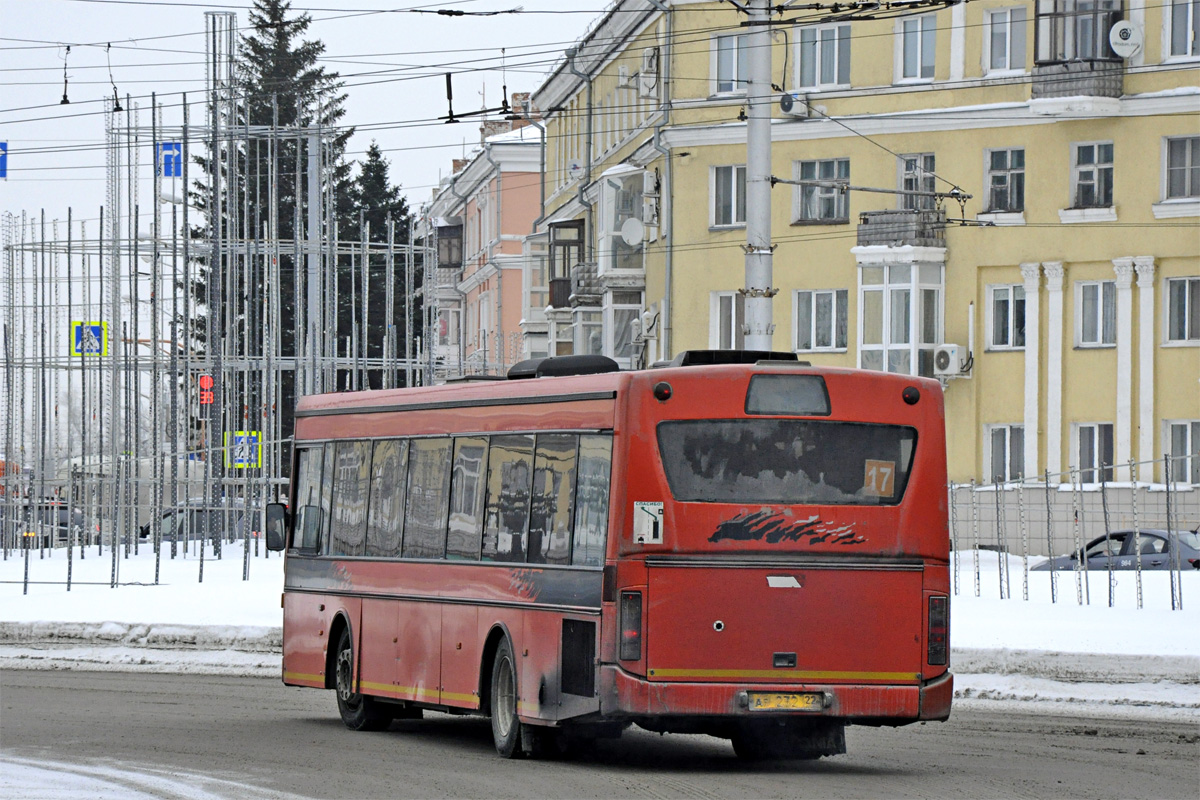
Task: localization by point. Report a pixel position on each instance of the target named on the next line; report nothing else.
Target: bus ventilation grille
(562, 365)
(695, 358)
(579, 658)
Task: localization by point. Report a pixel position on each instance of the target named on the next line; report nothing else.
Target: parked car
(193, 523)
(51, 516)
(1118, 549)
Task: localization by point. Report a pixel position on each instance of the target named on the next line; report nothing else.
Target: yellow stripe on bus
(817, 675)
(431, 695)
(305, 677)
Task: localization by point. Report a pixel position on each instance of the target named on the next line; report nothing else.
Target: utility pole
(758, 292)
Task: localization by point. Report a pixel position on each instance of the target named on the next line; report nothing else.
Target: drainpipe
(667, 214)
(587, 147)
(525, 108)
(487, 153)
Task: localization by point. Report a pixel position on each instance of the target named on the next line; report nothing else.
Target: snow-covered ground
(1089, 658)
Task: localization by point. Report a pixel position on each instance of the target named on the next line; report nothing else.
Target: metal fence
(1027, 521)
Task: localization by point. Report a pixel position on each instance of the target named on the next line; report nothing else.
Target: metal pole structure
(758, 291)
(315, 305)
(1050, 540)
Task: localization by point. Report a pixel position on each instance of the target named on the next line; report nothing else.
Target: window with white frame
(823, 56)
(448, 327)
(1006, 179)
(900, 317)
(1004, 40)
(917, 175)
(918, 47)
(1007, 309)
(1004, 452)
(589, 331)
(726, 313)
(1183, 167)
(623, 306)
(620, 202)
(728, 196)
(536, 286)
(1183, 443)
(731, 70)
(1075, 30)
(1096, 302)
(824, 201)
(821, 319)
(1094, 451)
(1183, 310)
(1092, 175)
(1184, 24)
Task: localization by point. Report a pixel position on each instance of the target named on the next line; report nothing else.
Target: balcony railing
(560, 292)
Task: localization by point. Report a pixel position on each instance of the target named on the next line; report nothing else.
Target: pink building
(480, 216)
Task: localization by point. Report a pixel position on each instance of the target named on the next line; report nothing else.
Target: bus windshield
(784, 461)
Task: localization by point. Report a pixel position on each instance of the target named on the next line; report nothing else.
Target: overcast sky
(392, 64)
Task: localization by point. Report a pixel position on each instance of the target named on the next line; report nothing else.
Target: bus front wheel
(502, 702)
(359, 712)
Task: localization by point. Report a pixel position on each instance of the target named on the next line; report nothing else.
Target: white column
(1123, 426)
(1137, 15)
(958, 39)
(1032, 274)
(1146, 425)
(1054, 377)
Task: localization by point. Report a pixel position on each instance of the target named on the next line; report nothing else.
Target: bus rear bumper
(623, 694)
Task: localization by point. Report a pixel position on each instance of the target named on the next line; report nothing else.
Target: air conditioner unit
(794, 105)
(947, 360)
(648, 77)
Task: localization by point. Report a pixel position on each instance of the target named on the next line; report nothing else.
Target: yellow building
(1060, 303)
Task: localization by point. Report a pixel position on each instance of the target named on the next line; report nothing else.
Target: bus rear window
(786, 462)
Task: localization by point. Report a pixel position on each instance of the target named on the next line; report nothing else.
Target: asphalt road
(266, 738)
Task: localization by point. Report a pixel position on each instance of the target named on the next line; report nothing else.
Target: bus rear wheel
(359, 712)
(502, 703)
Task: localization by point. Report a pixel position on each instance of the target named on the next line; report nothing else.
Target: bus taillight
(631, 626)
(939, 624)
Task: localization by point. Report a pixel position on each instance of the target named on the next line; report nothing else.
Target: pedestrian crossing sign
(243, 449)
(89, 338)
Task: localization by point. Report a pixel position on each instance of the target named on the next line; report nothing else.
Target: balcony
(1073, 56)
(902, 227)
(560, 292)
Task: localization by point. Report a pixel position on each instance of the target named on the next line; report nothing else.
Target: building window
(728, 196)
(589, 331)
(1183, 168)
(731, 63)
(1008, 317)
(821, 319)
(824, 56)
(1094, 446)
(1183, 310)
(727, 311)
(620, 202)
(1092, 175)
(1075, 30)
(916, 175)
(918, 40)
(1005, 40)
(900, 317)
(1097, 304)
(1184, 20)
(1183, 439)
(450, 246)
(1004, 452)
(566, 250)
(824, 202)
(622, 308)
(1006, 180)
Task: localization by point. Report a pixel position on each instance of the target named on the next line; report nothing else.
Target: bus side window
(352, 482)
(465, 529)
(327, 473)
(553, 499)
(385, 515)
(510, 478)
(306, 534)
(591, 500)
(428, 498)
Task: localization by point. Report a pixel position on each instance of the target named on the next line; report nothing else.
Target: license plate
(778, 701)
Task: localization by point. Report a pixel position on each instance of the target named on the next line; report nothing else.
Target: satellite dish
(1126, 39)
(633, 231)
(574, 169)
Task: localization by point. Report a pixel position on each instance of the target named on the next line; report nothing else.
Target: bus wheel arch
(338, 624)
(498, 633)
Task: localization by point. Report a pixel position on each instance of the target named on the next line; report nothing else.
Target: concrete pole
(758, 291)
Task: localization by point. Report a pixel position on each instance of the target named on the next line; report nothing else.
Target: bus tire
(359, 712)
(502, 702)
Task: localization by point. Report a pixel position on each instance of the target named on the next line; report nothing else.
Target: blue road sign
(243, 450)
(170, 159)
(3, 159)
(89, 338)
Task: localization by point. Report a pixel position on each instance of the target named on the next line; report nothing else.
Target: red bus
(756, 551)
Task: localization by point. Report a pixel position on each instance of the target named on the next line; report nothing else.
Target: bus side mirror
(276, 526)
